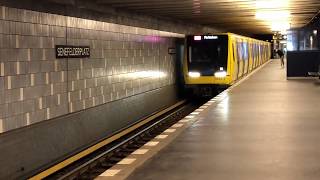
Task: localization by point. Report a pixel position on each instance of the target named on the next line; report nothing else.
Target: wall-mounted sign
(65, 51)
(172, 51)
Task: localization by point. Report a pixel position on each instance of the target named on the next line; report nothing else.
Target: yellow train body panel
(243, 56)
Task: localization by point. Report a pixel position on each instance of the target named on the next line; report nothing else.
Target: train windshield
(207, 54)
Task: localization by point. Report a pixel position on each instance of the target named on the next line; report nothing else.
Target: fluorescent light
(273, 15)
(194, 74)
(271, 4)
(280, 26)
(220, 74)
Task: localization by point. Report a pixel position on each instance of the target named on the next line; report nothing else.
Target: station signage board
(66, 51)
(172, 50)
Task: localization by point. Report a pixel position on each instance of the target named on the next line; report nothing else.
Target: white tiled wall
(35, 86)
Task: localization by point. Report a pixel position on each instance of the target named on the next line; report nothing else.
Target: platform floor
(265, 128)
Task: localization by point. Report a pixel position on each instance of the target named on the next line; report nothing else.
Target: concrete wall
(28, 150)
(35, 86)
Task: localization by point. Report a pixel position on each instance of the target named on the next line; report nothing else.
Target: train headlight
(194, 74)
(220, 74)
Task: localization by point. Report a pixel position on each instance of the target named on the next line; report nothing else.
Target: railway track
(95, 163)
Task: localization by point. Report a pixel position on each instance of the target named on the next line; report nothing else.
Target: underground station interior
(145, 89)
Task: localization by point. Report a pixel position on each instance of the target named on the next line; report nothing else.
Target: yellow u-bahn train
(220, 60)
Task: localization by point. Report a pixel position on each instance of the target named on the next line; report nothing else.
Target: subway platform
(267, 127)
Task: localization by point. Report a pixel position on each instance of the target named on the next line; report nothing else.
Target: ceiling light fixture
(280, 27)
(272, 4)
(273, 15)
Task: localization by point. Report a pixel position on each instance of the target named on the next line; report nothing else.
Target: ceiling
(239, 16)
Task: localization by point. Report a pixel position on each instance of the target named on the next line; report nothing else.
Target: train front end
(206, 63)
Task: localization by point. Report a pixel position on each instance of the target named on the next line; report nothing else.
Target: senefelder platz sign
(65, 51)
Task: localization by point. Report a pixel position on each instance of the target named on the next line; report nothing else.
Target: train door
(240, 58)
(263, 54)
(245, 51)
(255, 58)
(262, 49)
(259, 54)
(235, 60)
(253, 55)
(250, 56)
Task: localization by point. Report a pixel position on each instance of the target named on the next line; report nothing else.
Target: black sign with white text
(172, 51)
(65, 51)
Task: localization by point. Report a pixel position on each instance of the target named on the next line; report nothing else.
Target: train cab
(213, 62)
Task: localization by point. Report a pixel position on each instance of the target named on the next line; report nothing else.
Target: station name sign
(172, 50)
(65, 51)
